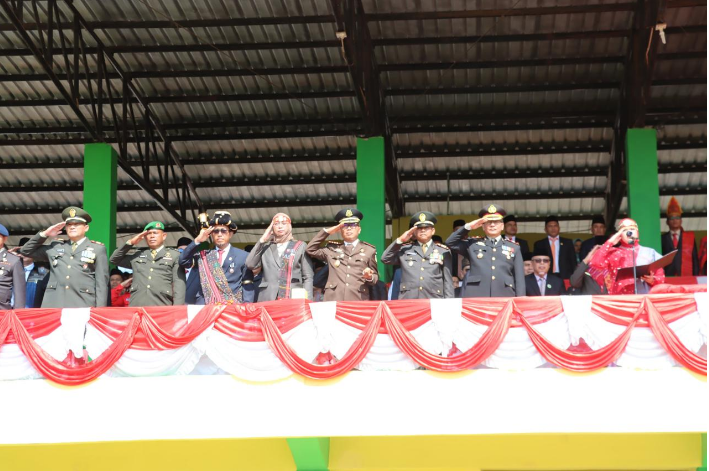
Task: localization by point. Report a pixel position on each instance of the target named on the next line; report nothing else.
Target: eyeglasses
(543, 260)
(674, 218)
(349, 225)
(220, 231)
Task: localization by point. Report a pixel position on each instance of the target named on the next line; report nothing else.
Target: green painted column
(100, 184)
(310, 454)
(371, 199)
(643, 185)
(704, 453)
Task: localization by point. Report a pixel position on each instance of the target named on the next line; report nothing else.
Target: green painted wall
(310, 454)
(643, 185)
(371, 199)
(100, 184)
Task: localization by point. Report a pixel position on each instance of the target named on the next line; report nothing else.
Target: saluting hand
(615, 238)
(203, 235)
(54, 230)
(334, 229)
(127, 283)
(406, 236)
(267, 235)
(368, 274)
(588, 258)
(136, 239)
(478, 223)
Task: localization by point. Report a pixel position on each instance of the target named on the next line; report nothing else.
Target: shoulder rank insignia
(512, 241)
(441, 245)
(367, 244)
(97, 242)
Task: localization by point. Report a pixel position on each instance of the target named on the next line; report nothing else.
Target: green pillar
(704, 453)
(643, 185)
(100, 184)
(371, 199)
(310, 454)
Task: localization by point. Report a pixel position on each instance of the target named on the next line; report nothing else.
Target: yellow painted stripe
(173, 455)
(518, 452)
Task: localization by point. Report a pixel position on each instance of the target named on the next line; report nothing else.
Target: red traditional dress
(609, 259)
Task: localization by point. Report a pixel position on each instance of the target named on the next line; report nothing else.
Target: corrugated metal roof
(559, 156)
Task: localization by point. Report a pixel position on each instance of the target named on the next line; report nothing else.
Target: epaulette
(58, 240)
(441, 245)
(97, 242)
(512, 241)
(334, 242)
(367, 243)
(476, 238)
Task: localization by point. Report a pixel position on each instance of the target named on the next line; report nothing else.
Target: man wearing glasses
(223, 275)
(541, 282)
(158, 279)
(352, 263)
(425, 265)
(496, 266)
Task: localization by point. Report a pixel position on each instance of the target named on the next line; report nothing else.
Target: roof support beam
(49, 49)
(358, 50)
(635, 95)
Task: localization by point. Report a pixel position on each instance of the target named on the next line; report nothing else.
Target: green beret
(155, 225)
(75, 214)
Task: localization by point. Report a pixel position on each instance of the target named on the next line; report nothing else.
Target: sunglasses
(220, 231)
(351, 224)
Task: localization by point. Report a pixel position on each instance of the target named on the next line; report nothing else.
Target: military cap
(551, 219)
(598, 219)
(75, 214)
(154, 225)
(183, 241)
(492, 213)
(223, 218)
(423, 218)
(4, 231)
(349, 215)
(509, 218)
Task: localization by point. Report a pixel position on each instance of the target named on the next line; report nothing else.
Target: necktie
(554, 266)
(153, 253)
(541, 285)
(675, 239)
(425, 248)
(73, 246)
(221, 256)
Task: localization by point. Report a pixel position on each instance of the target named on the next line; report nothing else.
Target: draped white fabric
(213, 352)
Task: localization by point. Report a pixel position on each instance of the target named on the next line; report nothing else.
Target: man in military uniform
(12, 276)
(78, 268)
(352, 264)
(496, 266)
(425, 265)
(158, 279)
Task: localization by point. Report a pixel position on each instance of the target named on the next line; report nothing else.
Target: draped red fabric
(158, 338)
(413, 313)
(678, 288)
(485, 346)
(38, 322)
(671, 343)
(620, 310)
(580, 361)
(351, 359)
(72, 375)
(241, 321)
(4, 326)
(535, 309)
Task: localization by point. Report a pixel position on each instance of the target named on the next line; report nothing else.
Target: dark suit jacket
(557, 285)
(192, 286)
(234, 266)
(588, 245)
(675, 268)
(567, 255)
(266, 256)
(582, 283)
